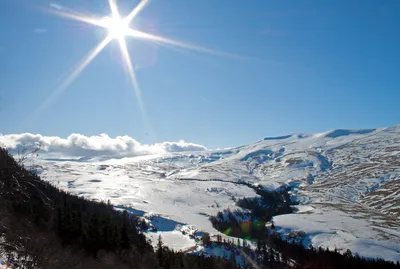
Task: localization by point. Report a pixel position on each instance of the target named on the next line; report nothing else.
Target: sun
(117, 28)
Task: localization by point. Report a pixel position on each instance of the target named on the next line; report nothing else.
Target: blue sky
(311, 66)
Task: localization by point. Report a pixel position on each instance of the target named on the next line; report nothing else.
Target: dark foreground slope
(44, 227)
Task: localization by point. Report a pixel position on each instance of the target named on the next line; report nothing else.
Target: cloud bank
(77, 145)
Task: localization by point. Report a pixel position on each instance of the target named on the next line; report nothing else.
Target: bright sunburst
(118, 29)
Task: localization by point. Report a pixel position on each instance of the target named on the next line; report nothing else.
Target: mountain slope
(44, 227)
(347, 179)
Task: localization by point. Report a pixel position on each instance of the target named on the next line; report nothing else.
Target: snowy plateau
(345, 181)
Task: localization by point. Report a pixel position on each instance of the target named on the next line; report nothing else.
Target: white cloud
(40, 30)
(55, 5)
(77, 145)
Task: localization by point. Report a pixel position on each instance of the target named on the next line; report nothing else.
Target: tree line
(252, 224)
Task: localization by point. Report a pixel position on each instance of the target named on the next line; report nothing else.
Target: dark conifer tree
(160, 251)
(125, 244)
(232, 259)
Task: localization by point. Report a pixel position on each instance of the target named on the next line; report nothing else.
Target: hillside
(44, 227)
(346, 182)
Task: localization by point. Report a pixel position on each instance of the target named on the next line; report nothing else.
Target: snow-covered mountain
(346, 181)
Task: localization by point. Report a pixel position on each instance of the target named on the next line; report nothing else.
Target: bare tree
(26, 152)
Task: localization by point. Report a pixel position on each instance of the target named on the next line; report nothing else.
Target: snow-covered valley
(346, 182)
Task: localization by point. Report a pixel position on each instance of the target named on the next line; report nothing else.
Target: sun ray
(84, 63)
(163, 40)
(77, 17)
(114, 9)
(136, 11)
(131, 73)
(132, 76)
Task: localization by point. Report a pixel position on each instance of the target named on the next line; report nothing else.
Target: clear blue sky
(321, 65)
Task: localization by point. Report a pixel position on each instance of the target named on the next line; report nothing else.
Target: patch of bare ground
(385, 198)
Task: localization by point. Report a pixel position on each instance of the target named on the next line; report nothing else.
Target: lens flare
(228, 231)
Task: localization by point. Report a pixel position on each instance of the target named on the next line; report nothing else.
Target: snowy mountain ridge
(346, 181)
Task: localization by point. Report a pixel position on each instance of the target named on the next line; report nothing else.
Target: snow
(346, 182)
(303, 208)
(175, 240)
(278, 137)
(222, 252)
(336, 230)
(342, 132)
(387, 230)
